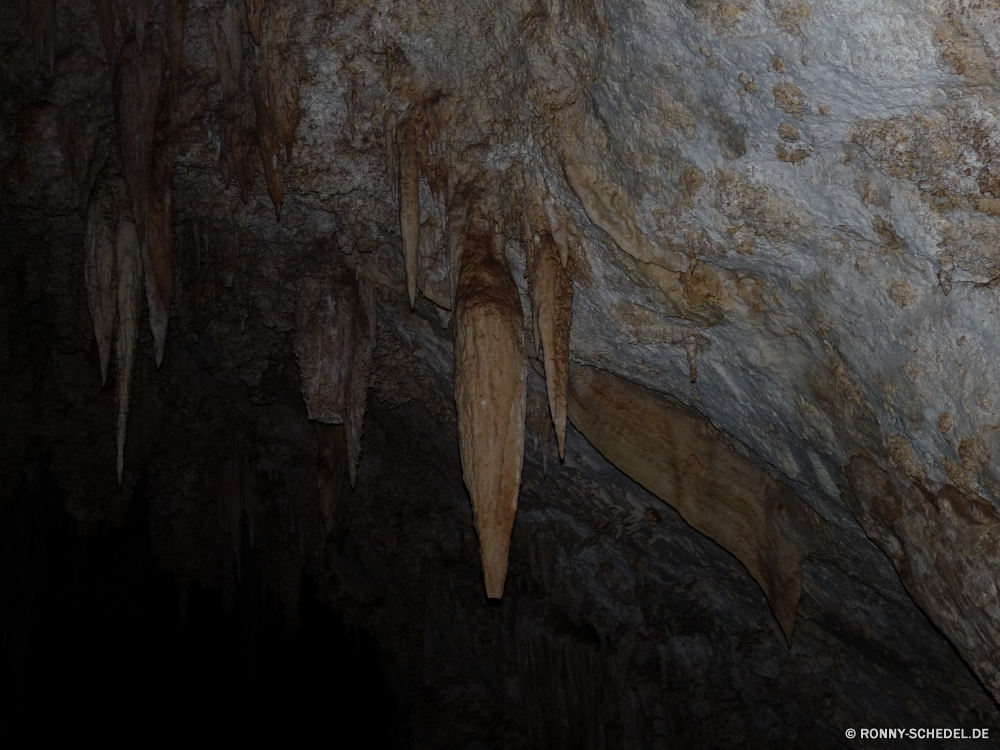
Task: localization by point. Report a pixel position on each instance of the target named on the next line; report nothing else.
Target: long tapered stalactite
(551, 288)
(490, 386)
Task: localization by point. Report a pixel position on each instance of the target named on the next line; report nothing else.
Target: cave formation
(515, 374)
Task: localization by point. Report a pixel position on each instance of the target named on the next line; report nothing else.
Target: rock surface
(781, 214)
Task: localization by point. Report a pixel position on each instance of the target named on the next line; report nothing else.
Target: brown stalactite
(409, 206)
(331, 468)
(106, 18)
(490, 388)
(391, 157)
(129, 266)
(122, 12)
(551, 288)
(361, 368)
(282, 76)
(138, 82)
(253, 11)
(40, 18)
(99, 267)
(334, 343)
(676, 454)
(324, 341)
(237, 153)
(227, 38)
(140, 8)
(83, 151)
(176, 12)
(275, 97)
(158, 256)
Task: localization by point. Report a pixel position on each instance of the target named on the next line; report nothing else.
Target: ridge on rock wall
(677, 456)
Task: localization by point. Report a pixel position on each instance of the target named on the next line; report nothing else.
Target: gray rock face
(782, 215)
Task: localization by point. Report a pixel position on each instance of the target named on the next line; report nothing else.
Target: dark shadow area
(90, 636)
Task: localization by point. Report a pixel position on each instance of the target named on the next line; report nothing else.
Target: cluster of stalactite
(453, 253)
(671, 451)
(490, 357)
(127, 192)
(260, 85)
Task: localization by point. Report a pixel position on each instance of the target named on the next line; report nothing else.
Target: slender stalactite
(129, 264)
(99, 267)
(176, 12)
(106, 19)
(361, 367)
(236, 152)
(551, 288)
(275, 96)
(137, 98)
(140, 8)
(490, 387)
(334, 343)
(391, 157)
(253, 18)
(409, 206)
(158, 253)
(40, 18)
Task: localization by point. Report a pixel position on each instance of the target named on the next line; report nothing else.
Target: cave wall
(774, 216)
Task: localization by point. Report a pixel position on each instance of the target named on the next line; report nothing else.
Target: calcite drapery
(677, 455)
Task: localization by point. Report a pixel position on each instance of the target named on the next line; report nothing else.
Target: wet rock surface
(780, 216)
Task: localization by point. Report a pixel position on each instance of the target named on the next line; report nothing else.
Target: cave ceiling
(673, 315)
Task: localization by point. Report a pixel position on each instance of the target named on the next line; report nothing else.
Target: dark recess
(92, 639)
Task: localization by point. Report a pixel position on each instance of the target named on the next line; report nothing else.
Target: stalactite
(140, 8)
(490, 388)
(99, 268)
(323, 343)
(137, 89)
(280, 57)
(227, 37)
(551, 288)
(331, 466)
(129, 264)
(84, 151)
(361, 367)
(275, 96)
(254, 12)
(334, 344)
(557, 224)
(122, 8)
(157, 256)
(40, 18)
(176, 12)
(106, 19)
(391, 159)
(676, 454)
(269, 144)
(409, 206)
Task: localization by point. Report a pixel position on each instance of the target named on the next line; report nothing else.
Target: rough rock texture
(782, 215)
